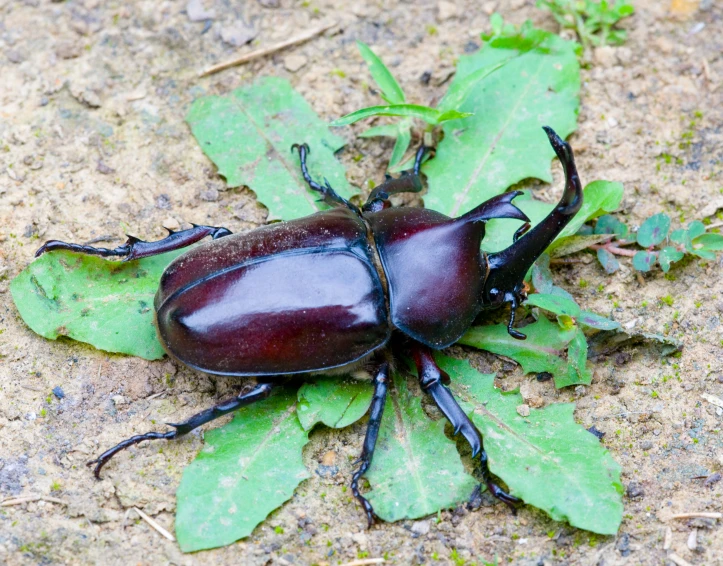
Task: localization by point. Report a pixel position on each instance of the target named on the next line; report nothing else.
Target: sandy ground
(93, 144)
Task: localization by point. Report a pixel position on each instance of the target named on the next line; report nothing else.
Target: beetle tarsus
(406, 183)
(328, 194)
(514, 303)
(370, 439)
(135, 248)
(431, 378)
(260, 391)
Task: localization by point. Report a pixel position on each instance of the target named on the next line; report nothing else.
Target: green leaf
(503, 142)
(608, 261)
(416, 469)
(577, 370)
(643, 260)
(404, 138)
(459, 90)
(710, 242)
(592, 320)
(608, 224)
(547, 459)
(574, 244)
(554, 304)
(541, 351)
(246, 469)
(429, 115)
(599, 197)
(107, 304)
(333, 401)
(391, 91)
(695, 229)
(667, 256)
(679, 236)
(387, 130)
(248, 134)
(654, 230)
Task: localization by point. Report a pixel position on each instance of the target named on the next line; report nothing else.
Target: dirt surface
(93, 145)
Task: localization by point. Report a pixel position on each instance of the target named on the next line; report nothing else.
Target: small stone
(693, 539)
(238, 34)
(535, 401)
(594, 431)
(197, 12)
(646, 445)
(68, 49)
(103, 169)
(293, 63)
(605, 56)
(328, 458)
(634, 490)
(270, 3)
(14, 56)
(523, 410)
(210, 195)
(58, 392)
(446, 10)
(119, 400)
(420, 528)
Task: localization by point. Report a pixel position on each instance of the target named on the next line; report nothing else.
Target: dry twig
(699, 515)
(301, 38)
(163, 532)
(30, 499)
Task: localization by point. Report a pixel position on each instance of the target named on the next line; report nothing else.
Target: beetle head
(507, 269)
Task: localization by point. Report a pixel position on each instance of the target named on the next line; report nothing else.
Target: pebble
(646, 445)
(211, 195)
(446, 10)
(523, 410)
(58, 392)
(421, 528)
(605, 56)
(293, 63)
(68, 49)
(693, 539)
(119, 400)
(238, 34)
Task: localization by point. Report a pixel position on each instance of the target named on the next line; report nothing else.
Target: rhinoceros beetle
(329, 292)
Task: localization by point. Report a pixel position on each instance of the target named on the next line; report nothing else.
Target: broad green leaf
(574, 244)
(547, 459)
(554, 303)
(503, 142)
(705, 254)
(577, 370)
(710, 242)
(429, 115)
(541, 351)
(654, 230)
(459, 90)
(668, 255)
(246, 469)
(416, 469)
(592, 320)
(108, 304)
(541, 279)
(248, 134)
(391, 91)
(679, 236)
(608, 261)
(643, 260)
(599, 197)
(333, 401)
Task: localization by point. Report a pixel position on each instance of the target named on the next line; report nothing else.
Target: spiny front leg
(370, 439)
(260, 391)
(431, 379)
(136, 249)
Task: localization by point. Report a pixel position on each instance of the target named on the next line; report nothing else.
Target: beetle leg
(328, 194)
(261, 391)
(431, 379)
(370, 440)
(405, 183)
(136, 249)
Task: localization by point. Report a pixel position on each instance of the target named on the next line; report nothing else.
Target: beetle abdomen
(286, 313)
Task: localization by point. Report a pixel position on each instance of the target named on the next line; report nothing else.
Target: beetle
(335, 290)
